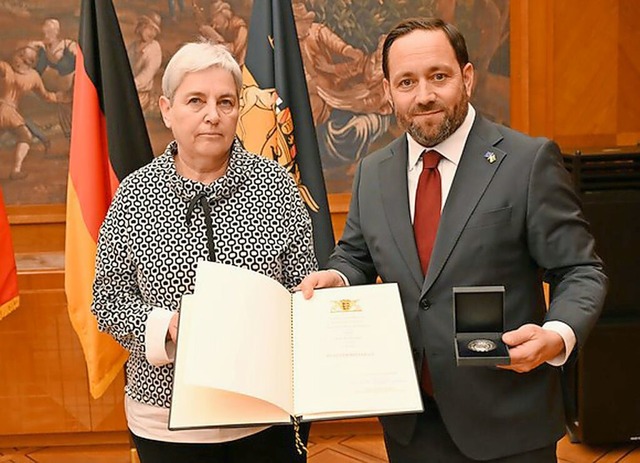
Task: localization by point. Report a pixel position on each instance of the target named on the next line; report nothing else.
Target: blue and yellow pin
(490, 156)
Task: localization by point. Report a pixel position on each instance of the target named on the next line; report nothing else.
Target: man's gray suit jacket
(513, 222)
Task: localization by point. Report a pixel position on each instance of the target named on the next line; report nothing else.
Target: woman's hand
(172, 334)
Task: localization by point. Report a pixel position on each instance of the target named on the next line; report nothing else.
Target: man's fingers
(321, 279)
(520, 336)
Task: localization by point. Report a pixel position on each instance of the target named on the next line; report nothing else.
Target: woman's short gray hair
(194, 57)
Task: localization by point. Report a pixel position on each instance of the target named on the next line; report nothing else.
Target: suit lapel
(473, 175)
(395, 200)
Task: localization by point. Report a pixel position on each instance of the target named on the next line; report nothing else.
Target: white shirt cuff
(158, 350)
(567, 335)
(341, 275)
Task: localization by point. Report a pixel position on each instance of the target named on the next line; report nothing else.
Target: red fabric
(109, 140)
(90, 168)
(9, 299)
(425, 226)
(427, 210)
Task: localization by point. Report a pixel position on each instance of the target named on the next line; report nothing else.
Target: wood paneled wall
(37, 228)
(575, 68)
(43, 379)
(575, 78)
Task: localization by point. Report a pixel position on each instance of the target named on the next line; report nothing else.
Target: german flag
(109, 140)
(9, 299)
(275, 116)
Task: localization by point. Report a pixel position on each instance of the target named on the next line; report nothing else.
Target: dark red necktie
(427, 207)
(425, 226)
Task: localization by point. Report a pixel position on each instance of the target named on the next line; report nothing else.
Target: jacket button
(425, 304)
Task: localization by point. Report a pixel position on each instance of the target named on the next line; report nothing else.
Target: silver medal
(481, 345)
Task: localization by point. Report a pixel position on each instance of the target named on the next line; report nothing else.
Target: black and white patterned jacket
(147, 250)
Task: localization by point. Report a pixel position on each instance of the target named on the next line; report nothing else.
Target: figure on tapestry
(145, 56)
(222, 25)
(17, 78)
(56, 63)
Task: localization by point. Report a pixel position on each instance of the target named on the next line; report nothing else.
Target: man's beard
(431, 136)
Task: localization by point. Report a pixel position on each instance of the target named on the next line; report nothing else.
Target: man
(349, 108)
(18, 78)
(321, 49)
(145, 56)
(226, 28)
(505, 214)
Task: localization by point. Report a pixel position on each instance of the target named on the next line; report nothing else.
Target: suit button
(425, 304)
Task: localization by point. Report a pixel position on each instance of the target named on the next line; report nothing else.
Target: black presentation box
(478, 315)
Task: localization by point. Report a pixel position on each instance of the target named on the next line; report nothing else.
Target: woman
(205, 197)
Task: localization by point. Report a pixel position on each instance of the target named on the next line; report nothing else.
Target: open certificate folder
(249, 353)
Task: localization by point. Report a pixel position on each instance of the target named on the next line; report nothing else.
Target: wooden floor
(327, 445)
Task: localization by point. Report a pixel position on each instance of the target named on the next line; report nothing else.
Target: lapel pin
(490, 156)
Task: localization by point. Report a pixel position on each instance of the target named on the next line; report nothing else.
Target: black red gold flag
(109, 140)
(275, 116)
(9, 299)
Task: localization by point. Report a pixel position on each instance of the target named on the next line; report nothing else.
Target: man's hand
(322, 279)
(530, 346)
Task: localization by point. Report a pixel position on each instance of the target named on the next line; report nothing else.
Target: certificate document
(249, 352)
